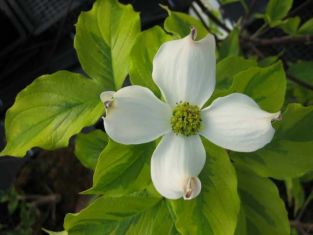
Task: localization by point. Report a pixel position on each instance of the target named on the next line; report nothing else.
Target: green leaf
(302, 70)
(49, 111)
(294, 231)
(215, 210)
(270, 60)
(103, 40)
(299, 94)
(142, 54)
(122, 169)
(180, 24)
(89, 146)
(227, 68)
(224, 2)
(55, 233)
(262, 210)
(295, 194)
(122, 215)
(277, 9)
(307, 28)
(230, 46)
(289, 155)
(307, 177)
(290, 25)
(267, 86)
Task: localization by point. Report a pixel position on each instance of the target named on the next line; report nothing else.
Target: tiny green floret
(186, 119)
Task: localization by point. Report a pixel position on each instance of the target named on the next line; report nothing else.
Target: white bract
(184, 70)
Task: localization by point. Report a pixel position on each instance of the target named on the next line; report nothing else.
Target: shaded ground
(47, 187)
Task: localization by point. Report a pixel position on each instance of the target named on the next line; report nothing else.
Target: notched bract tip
(193, 33)
(192, 188)
(108, 104)
(278, 117)
(107, 98)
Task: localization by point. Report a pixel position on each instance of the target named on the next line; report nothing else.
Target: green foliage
(295, 194)
(267, 86)
(290, 25)
(122, 169)
(89, 146)
(55, 233)
(180, 24)
(227, 68)
(10, 197)
(135, 214)
(277, 10)
(215, 210)
(49, 111)
(276, 14)
(104, 38)
(307, 28)
(227, 1)
(262, 211)
(144, 213)
(23, 213)
(230, 46)
(268, 61)
(110, 46)
(289, 155)
(302, 70)
(141, 57)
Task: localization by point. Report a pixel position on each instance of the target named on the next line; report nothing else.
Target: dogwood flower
(184, 70)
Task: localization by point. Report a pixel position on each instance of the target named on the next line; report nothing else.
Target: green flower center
(186, 119)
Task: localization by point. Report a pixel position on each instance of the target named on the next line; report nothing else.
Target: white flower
(184, 70)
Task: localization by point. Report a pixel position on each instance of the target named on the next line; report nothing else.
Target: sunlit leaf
(55, 233)
(123, 215)
(227, 68)
(142, 54)
(267, 86)
(103, 40)
(122, 169)
(51, 110)
(180, 24)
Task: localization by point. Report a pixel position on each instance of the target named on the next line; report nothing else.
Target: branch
(298, 224)
(299, 8)
(279, 40)
(211, 16)
(201, 18)
(257, 51)
(44, 199)
(247, 15)
(203, 22)
(300, 82)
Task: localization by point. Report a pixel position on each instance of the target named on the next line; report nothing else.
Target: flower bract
(184, 70)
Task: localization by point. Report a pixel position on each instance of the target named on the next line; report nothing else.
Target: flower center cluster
(186, 119)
